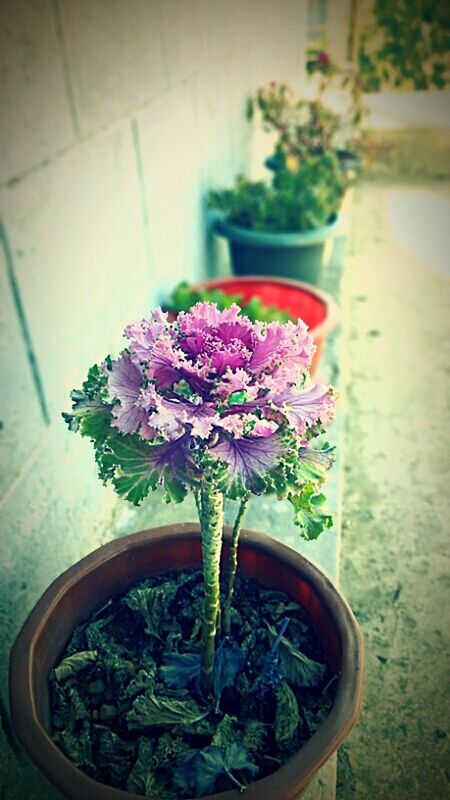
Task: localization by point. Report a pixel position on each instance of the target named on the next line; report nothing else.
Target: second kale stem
(232, 565)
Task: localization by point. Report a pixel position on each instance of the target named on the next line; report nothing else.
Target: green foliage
(287, 716)
(197, 774)
(181, 669)
(299, 670)
(310, 516)
(168, 750)
(71, 708)
(141, 779)
(304, 127)
(75, 663)
(309, 127)
(77, 747)
(114, 756)
(149, 710)
(134, 466)
(126, 718)
(136, 472)
(97, 638)
(227, 663)
(152, 603)
(407, 45)
(184, 297)
(296, 201)
(255, 735)
(144, 681)
(90, 409)
(226, 731)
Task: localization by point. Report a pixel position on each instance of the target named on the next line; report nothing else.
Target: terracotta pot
(312, 305)
(116, 566)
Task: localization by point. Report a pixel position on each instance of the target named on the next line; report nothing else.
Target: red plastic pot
(115, 567)
(315, 307)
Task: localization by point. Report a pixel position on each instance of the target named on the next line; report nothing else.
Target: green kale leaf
(73, 664)
(141, 779)
(227, 663)
(226, 732)
(287, 716)
(197, 774)
(181, 669)
(310, 516)
(149, 709)
(299, 669)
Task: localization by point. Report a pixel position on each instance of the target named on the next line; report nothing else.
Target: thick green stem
(198, 503)
(232, 565)
(211, 521)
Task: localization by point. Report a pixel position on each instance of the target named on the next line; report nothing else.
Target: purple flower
(214, 376)
(289, 346)
(211, 399)
(206, 316)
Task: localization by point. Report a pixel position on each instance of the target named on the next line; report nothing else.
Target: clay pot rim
(331, 307)
(290, 778)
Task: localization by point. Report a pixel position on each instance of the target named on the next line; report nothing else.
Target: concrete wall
(117, 116)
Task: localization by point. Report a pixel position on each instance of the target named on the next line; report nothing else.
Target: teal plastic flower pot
(301, 256)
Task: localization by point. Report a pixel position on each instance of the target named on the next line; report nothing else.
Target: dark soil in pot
(126, 701)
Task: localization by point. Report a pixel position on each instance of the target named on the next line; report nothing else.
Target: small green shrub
(299, 199)
(185, 296)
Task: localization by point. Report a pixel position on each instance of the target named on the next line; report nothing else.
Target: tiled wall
(117, 116)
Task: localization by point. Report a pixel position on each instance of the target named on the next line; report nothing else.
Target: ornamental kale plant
(215, 405)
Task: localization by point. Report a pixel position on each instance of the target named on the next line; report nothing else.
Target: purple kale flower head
(223, 386)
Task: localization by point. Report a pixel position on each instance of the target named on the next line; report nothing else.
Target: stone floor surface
(394, 566)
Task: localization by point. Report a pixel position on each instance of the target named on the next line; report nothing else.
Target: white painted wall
(117, 117)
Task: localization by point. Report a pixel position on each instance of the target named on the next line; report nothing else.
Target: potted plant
(309, 126)
(281, 227)
(284, 226)
(164, 681)
(265, 300)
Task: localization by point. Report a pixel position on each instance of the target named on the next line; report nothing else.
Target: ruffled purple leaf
(163, 365)
(174, 415)
(144, 467)
(124, 385)
(144, 334)
(304, 408)
(241, 330)
(233, 356)
(266, 347)
(249, 459)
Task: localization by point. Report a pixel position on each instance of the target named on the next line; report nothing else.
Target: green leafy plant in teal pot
(281, 226)
(284, 225)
